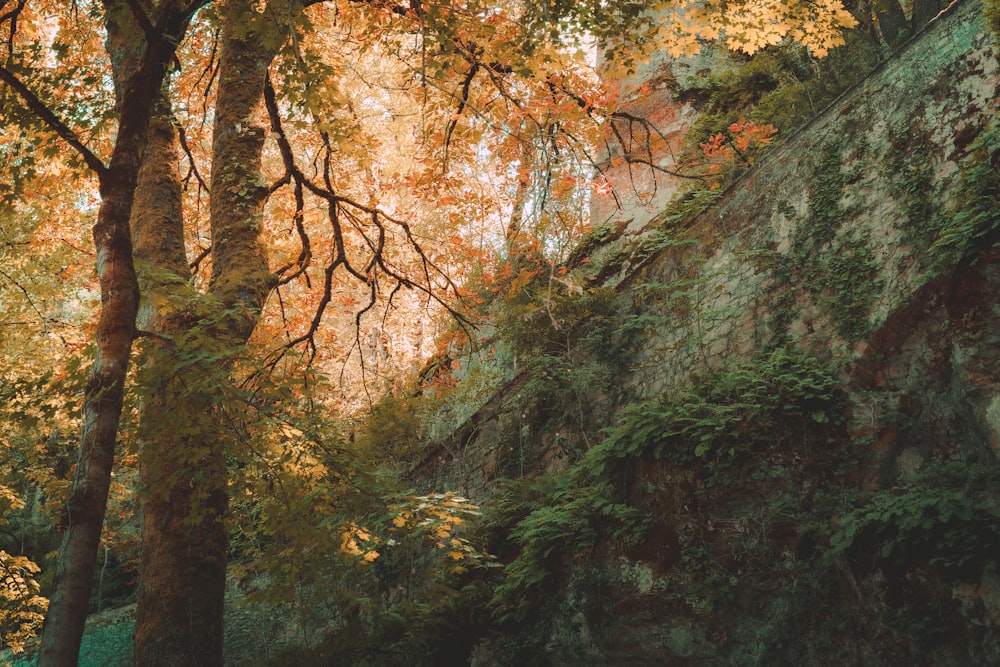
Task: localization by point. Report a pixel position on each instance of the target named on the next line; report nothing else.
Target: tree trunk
(183, 448)
(171, 421)
(84, 516)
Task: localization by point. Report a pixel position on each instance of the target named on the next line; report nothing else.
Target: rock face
(855, 523)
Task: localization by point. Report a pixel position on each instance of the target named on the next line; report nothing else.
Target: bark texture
(184, 501)
(240, 279)
(84, 517)
(169, 417)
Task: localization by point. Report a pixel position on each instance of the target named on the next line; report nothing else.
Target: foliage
(437, 630)
(975, 216)
(438, 518)
(35, 456)
(944, 519)
(681, 29)
(912, 187)
(719, 421)
(730, 424)
(744, 103)
(546, 312)
(567, 524)
(22, 609)
(313, 508)
(835, 266)
(393, 430)
(403, 596)
(991, 11)
(43, 336)
(595, 238)
(722, 416)
(906, 551)
(781, 85)
(568, 343)
(735, 149)
(397, 105)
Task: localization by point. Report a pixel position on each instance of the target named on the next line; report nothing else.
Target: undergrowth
(715, 424)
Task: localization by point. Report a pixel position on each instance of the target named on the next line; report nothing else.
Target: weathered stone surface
(924, 105)
(832, 244)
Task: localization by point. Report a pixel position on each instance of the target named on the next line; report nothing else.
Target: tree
(116, 326)
(292, 89)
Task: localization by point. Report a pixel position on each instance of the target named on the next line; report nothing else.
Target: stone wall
(824, 243)
(868, 240)
(834, 233)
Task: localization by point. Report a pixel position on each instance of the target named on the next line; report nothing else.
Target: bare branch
(463, 100)
(199, 258)
(27, 296)
(372, 226)
(192, 165)
(210, 70)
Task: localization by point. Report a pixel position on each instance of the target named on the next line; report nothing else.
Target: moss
(975, 216)
(850, 283)
(910, 172)
(596, 238)
(991, 12)
(836, 268)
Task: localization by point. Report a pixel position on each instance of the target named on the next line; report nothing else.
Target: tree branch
(54, 123)
(463, 100)
(192, 165)
(12, 16)
(142, 18)
(27, 295)
(202, 254)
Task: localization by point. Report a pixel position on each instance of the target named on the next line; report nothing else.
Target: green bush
(567, 516)
(934, 521)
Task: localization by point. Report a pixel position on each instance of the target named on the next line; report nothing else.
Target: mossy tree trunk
(183, 453)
